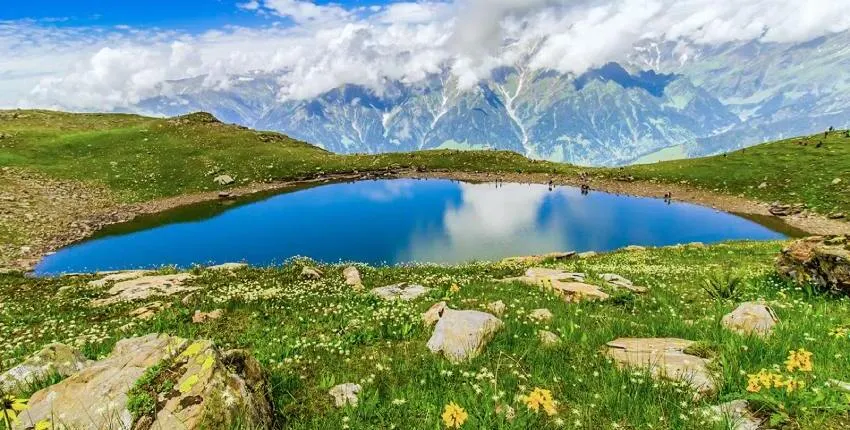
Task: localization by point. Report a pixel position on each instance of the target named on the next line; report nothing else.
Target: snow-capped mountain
(675, 98)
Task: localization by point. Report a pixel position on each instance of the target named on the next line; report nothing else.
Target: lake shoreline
(93, 222)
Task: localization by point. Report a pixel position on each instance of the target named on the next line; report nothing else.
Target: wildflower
(540, 398)
(43, 425)
(454, 416)
(454, 288)
(10, 407)
(799, 360)
(840, 332)
(399, 402)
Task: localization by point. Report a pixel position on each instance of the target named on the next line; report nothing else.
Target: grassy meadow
(313, 334)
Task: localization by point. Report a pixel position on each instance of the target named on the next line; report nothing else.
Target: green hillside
(142, 158)
(797, 170)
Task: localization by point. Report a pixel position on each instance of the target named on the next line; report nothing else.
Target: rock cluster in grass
(553, 280)
(618, 281)
(822, 261)
(781, 209)
(158, 381)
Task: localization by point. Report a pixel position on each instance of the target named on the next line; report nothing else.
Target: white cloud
(315, 48)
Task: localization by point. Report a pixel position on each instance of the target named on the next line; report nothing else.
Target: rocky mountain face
(696, 100)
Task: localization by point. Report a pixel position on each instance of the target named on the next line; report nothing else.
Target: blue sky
(190, 15)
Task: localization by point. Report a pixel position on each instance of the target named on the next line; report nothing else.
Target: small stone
(547, 338)
(836, 181)
(224, 195)
(311, 273)
(618, 281)
(345, 394)
(763, 185)
(433, 314)
(149, 311)
(841, 385)
(402, 291)
(836, 215)
(497, 308)
(224, 180)
(751, 318)
(352, 278)
(541, 315)
(201, 317)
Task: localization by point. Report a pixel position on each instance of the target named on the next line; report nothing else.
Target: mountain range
(663, 100)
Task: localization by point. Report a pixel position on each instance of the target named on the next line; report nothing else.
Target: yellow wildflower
(10, 408)
(840, 332)
(799, 360)
(454, 288)
(43, 425)
(792, 384)
(540, 398)
(454, 416)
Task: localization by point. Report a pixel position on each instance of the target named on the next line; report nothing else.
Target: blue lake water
(397, 221)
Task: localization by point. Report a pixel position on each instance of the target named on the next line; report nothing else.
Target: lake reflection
(404, 220)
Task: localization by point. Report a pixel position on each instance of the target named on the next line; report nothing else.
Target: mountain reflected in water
(404, 220)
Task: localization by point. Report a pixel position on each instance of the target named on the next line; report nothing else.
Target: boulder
(352, 278)
(547, 338)
(664, 358)
(734, 415)
(118, 276)
(224, 180)
(433, 314)
(311, 273)
(588, 254)
(751, 318)
(823, 261)
(345, 394)
(208, 389)
(402, 291)
(146, 286)
(462, 335)
(618, 281)
(497, 308)
(541, 315)
(53, 359)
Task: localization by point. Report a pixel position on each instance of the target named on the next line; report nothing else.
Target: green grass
(142, 158)
(797, 170)
(312, 335)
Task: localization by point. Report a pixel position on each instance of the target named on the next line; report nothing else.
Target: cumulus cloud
(314, 48)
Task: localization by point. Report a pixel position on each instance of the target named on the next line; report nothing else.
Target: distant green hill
(797, 170)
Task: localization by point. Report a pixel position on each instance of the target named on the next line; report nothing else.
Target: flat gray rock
(401, 291)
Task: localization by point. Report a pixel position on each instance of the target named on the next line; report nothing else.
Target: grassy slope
(144, 158)
(793, 172)
(311, 335)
